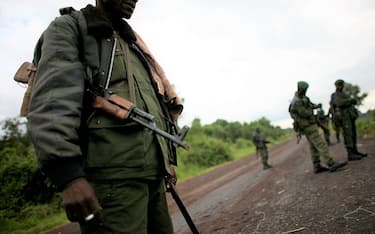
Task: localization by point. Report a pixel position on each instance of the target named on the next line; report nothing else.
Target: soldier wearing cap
(344, 106)
(302, 111)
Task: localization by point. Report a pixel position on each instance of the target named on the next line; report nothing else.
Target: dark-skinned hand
(80, 202)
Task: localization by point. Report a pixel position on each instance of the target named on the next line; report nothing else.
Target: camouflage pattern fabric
(345, 106)
(318, 148)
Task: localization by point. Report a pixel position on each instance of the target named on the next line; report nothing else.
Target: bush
(207, 152)
(21, 181)
(366, 126)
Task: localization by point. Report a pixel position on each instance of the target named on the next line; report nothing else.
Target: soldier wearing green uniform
(344, 106)
(111, 173)
(302, 112)
(260, 143)
(323, 122)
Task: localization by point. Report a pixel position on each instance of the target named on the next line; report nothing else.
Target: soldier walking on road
(111, 173)
(344, 106)
(302, 111)
(261, 147)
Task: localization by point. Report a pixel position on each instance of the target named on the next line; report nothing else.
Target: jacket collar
(100, 27)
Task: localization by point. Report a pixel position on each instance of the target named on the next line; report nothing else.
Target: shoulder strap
(105, 51)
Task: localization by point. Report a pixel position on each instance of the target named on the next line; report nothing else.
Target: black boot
(333, 166)
(319, 168)
(352, 155)
(266, 166)
(359, 153)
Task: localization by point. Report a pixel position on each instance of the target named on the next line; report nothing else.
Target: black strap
(106, 54)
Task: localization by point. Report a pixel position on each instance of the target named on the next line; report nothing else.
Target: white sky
(236, 60)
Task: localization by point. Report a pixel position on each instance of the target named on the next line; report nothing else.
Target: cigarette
(89, 217)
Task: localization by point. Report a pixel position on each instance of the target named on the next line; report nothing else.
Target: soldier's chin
(127, 14)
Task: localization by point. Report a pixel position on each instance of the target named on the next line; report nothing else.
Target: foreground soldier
(344, 106)
(260, 143)
(302, 111)
(111, 173)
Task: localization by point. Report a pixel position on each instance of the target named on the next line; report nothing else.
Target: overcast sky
(236, 60)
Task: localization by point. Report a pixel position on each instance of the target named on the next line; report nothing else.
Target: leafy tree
(14, 134)
(355, 92)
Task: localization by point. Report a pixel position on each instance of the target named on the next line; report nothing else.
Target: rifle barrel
(174, 139)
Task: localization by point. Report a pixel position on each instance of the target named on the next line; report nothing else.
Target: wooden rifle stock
(114, 106)
(123, 109)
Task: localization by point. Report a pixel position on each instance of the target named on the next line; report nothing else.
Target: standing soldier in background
(343, 105)
(323, 122)
(261, 147)
(302, 112)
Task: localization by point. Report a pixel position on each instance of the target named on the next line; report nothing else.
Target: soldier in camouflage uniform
(111, 173)
(323, 122)
(344, 106)
(260, 143)
(302, 111)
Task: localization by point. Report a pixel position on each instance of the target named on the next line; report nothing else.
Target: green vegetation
(366, 125)
(220, 142)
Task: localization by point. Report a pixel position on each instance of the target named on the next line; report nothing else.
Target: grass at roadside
(33, 224)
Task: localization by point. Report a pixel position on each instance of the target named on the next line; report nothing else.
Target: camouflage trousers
(349, 133)
(318, 147)
(132, 206)
(263, 155)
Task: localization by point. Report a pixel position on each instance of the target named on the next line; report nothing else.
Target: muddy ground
(241, 197)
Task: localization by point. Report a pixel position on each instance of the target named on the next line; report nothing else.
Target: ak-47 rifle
(123, 109)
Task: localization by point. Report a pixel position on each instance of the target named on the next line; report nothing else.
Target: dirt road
(240, 197)
(289, 198)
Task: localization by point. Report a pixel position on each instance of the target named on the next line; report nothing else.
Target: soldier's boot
(266, 166)
(359, 153)
(333, 166)
(352, 155)
(319, 168)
